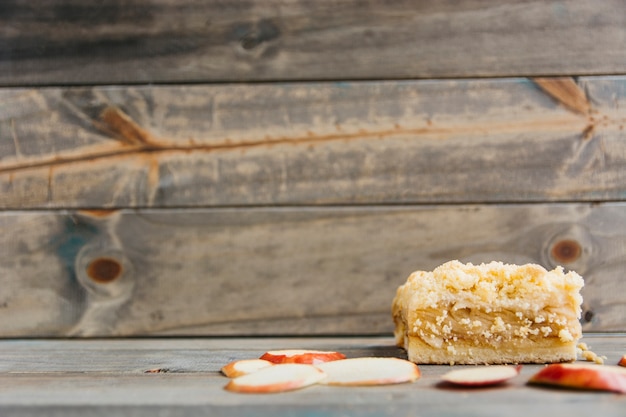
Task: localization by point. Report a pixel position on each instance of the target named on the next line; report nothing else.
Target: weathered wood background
(331, 143)
(145, 41)
(145, 191)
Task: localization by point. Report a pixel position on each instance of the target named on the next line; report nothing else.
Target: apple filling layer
(490, 313)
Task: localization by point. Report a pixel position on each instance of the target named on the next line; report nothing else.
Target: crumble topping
(492, 304)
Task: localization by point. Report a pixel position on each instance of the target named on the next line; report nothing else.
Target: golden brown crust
(544, 351)
(489, 313)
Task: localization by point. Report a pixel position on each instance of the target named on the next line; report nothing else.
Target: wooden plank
(280, 271)
(68, 42)
(173, 355)
(92, 380)
(328, 143)
(206, 355)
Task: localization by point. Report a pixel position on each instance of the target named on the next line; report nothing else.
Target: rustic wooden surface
(507, 140)
(290, 270)
(119, 377)
(69, 41)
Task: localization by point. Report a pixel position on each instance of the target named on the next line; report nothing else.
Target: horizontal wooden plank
(320, 143)
(280, 271)
(179, 355)
(68, 42)
(107, 377)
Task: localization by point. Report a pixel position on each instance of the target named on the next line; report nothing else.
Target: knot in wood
(250, 41)
(104, 270)
(263, 31)
(566, 251)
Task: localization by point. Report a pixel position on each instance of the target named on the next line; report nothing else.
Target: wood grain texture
(165, 41)
(308, 144)
(107, 377)
(288, 271)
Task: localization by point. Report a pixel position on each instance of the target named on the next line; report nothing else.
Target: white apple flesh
(276, 378)
(369, 371)
(244, 367)
(481, 376)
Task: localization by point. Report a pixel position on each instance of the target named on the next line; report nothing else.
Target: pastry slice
(491, 313)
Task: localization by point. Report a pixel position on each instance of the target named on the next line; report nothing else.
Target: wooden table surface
(97, 377)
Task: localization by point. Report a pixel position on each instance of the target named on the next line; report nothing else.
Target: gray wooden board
(68, 41)
(288, 271)
(430, 141)
(107, 377)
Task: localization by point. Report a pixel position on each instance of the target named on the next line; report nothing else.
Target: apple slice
(582, 376)
(369, 371)
(301, 356)
(480, 376)
(277, 378)
(244, 367)
(622, 361)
